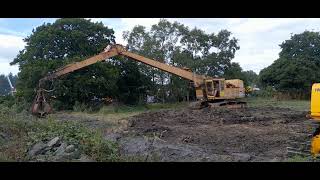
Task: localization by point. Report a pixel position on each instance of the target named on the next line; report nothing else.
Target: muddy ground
(250, 134)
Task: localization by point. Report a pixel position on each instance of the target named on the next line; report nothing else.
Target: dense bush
(297, 68)
(89, 141)
(24, 130)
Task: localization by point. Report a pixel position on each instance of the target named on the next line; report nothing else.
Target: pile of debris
(56, 150)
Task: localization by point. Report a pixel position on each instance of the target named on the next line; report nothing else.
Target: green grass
(298, 159)
(115, 113)
(148, 107)
(89, 141)
(116, 117)
(299, 105)
(25, 130)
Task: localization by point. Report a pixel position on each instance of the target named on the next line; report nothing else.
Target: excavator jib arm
(41, 107)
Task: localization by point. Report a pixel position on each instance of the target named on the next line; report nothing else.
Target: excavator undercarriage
(232, 104)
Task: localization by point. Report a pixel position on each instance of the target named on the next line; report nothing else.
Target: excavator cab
(214, 88)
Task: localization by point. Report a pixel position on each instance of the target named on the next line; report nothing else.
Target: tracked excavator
(306, 143)
(210, 92)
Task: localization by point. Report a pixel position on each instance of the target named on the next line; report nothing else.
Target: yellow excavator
(248, 90)
(315, 116)
(209, 91)
(306, 142)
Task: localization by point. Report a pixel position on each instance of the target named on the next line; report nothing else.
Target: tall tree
(251, 78)
(297, 67)
(235, 72)
(67, 40)
(177, 45)
(133, 85)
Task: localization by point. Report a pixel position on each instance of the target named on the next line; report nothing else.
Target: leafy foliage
(132, 84)
(67, 40)
(251, 78)
(25, 130)
(177, 45)
(90, 142)
(298, 66)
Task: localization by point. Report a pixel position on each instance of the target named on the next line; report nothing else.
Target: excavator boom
(120, 50)
(207, 88)
(197, 79)
(78, 65)
(41, 107)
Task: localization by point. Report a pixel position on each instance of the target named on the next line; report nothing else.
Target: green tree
(251, 78)
(139, 41)
(235, 72)
(177, 45)
(133, 85)
(297, 67)
(67, 40)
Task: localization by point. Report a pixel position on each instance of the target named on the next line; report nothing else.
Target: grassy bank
(20, 131)
(299, 105)
(117, 112)
(120, 109)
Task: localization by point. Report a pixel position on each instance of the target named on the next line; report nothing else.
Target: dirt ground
(250, 134)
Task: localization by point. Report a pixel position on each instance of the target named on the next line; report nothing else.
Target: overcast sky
(259, 38)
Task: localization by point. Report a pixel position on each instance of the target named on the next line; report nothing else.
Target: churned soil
(221, 134)
(248, 134)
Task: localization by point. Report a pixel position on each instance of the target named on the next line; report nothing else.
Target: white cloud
(125, 24)
(259, 38)
(5, 68)
(256, 25)
(9, 48)
(256, 60)
(10, 41)
(11, 32)
(129, 23)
